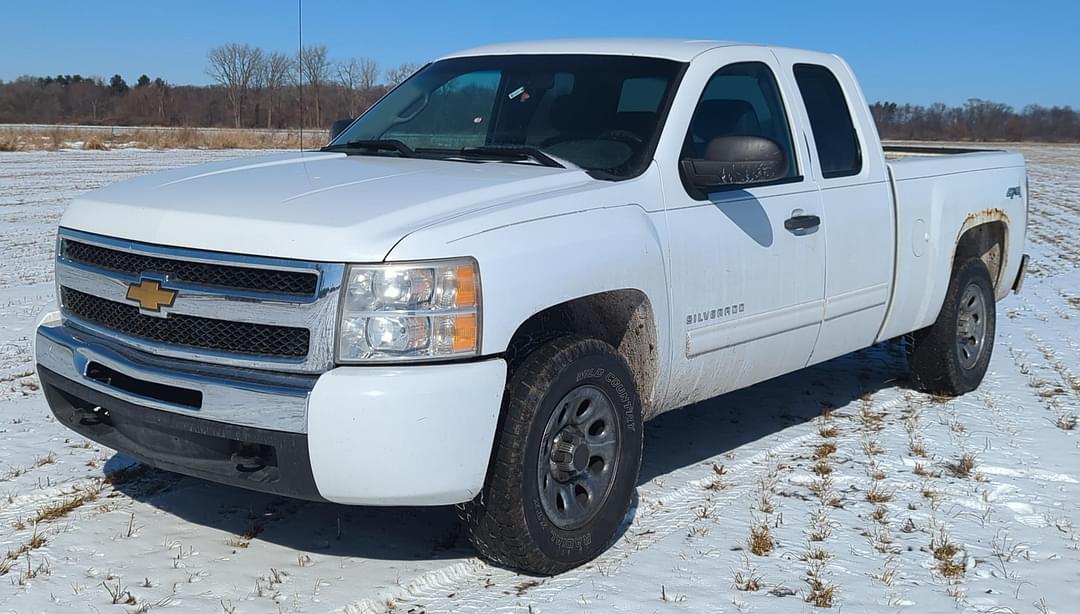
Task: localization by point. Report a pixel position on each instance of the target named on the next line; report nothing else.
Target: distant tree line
(255, 88)
(252, 88)
(977, 120)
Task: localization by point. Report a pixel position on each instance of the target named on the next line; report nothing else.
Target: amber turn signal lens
(465, 333)
(466, 286)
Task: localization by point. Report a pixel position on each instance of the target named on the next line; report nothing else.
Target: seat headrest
(715, 118)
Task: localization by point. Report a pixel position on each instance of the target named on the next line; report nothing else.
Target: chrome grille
(203, 273)
(189, 331)
(243, 311)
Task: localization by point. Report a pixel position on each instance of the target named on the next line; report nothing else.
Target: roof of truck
(668, 48)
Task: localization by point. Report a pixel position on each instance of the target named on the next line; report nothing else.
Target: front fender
(528, 266)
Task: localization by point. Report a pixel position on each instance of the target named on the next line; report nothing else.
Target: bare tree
(315, 72)
(358, 77)
(402, 72)
(276, 72)
(234, 67)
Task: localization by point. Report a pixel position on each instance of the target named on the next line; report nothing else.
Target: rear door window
(830, 120)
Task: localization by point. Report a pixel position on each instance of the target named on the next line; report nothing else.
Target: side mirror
(339, 126)
(736, 160)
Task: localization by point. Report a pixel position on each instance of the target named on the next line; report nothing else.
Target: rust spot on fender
(980, 217)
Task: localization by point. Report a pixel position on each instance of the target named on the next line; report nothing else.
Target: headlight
(398, 312)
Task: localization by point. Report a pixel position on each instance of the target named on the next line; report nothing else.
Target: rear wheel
(951, 356)
(566, 459)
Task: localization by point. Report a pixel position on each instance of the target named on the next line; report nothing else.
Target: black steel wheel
(566, 458)
(951, 356)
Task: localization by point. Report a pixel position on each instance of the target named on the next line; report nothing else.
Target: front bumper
(411, 435)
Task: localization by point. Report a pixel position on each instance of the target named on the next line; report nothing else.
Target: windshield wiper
(374, 145)
(500, 152)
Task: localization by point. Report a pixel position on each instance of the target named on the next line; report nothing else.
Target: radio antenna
(300, 64)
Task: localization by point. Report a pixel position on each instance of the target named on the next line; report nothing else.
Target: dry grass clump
(922, 470)
(824, 450)
(36, 541)
(761, 540)
(948, 555)
(828, 431)
(125, 475)
(718, 483)
(871, 447)
(822, 594)
(747, 579)
(820, 533)
(879, 494)
(822, 468)
(63, 507)
(880, 515)
(119, 594)
(814, 554)
(951, 569)
(871, 420)
(962, 467)
(1066, 422)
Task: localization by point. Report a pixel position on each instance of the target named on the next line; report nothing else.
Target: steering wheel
(632, 139)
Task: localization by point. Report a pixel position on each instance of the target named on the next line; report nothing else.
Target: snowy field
(835, 486)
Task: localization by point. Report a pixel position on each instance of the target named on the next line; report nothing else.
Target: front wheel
(951, 356)
(566, 459)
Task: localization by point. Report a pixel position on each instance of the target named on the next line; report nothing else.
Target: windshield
(602, 113)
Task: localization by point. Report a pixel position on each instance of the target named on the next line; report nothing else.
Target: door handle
(802, 223)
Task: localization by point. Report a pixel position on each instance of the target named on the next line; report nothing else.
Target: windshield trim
(649, 151)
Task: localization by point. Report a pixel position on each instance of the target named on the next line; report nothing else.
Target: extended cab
(481, 289)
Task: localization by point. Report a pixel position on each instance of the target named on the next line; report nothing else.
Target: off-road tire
(507, 522)
(933, 353)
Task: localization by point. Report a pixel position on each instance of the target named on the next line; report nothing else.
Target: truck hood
(306, 205)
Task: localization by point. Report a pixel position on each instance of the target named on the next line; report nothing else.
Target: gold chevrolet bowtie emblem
(150, 295)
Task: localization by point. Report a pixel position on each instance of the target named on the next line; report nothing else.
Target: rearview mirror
(339, 126)
(732, 161)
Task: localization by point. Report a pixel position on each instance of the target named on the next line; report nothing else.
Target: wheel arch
(623, 318)
(985, 235)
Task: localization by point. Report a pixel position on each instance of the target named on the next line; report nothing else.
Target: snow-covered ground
(858, 490)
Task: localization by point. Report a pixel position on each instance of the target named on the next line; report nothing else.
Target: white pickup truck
(481, 289)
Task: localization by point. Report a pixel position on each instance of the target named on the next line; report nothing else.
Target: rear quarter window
(830, 120)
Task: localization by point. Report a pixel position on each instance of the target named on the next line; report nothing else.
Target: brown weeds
(963, 466)
(824, 450)
(59, 137)
(761, 540)
(879, 494)
(822, 594)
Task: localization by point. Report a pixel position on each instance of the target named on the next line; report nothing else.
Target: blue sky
(910, 51)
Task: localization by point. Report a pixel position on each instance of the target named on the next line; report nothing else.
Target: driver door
(747, 270)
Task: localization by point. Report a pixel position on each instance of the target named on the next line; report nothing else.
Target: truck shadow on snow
(674, 440)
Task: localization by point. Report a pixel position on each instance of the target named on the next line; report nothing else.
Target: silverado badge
(150, 295)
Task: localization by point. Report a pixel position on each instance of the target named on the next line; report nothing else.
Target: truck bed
(938, 194)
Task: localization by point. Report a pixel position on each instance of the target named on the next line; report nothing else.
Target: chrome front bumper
(231, 395)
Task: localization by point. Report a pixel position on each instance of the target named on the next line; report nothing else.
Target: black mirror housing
(732, 161)
(339, 126)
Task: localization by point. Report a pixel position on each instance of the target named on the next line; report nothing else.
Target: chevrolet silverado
(483, 288)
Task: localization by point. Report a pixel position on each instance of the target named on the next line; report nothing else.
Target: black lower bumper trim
(258, 459)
